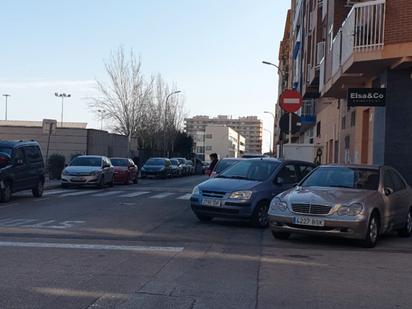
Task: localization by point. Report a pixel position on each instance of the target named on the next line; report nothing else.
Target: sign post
(49, 127)
(290, 101)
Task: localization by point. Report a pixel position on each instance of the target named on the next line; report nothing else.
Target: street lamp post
(165, 124)
(62, 96)
(101, 113)
(6, 97)
(271, 137)
(274, 131)
(282, 75)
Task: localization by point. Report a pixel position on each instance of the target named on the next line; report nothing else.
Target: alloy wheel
(373, 230)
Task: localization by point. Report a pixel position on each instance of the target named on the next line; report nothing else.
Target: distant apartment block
(250, 127)
(224, 141)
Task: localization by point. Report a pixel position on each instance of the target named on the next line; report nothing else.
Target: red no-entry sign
(290, 101)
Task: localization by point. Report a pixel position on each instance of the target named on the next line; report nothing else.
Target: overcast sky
(211, 50)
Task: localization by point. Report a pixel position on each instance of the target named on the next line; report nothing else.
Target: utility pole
(62, 96)
(274, 131)
(165, 150)
(6, 97)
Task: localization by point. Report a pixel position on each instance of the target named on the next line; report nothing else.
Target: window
(287, 175)
(209, 136)
(305, 170)
(209, 148)
(343, 122)
(19, 154)
(318, 129)
(353, 118)
(33, 154)
(398, 184)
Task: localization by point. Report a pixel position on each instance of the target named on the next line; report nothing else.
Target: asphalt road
(140, 246)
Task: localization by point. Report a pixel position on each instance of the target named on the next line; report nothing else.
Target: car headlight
(352, 210)
(279, 204)
(196, 191)
(241, 195)
(65, 173)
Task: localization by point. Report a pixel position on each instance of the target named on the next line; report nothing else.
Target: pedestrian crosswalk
(123, 194)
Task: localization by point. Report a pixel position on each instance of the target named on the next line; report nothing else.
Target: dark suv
(21, 168)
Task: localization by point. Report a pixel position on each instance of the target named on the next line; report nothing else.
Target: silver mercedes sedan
(350, 201)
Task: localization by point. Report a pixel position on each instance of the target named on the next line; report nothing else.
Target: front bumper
(228, 209)
(153, 173)
(340, 226)
(80, 180)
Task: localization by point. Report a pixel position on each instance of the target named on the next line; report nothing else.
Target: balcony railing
(362, 31)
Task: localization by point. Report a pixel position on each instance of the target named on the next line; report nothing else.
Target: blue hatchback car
(244, 191)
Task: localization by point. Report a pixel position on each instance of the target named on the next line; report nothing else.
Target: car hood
(82, 169)
(325, 196)
(228, 185)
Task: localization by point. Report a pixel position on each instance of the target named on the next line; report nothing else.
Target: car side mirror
(388, 191)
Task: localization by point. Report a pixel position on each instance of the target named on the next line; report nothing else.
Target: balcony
(356, 49)
(308, 114)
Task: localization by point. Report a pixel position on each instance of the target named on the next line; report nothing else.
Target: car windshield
(6, 150)
(120, 162)
(86, 161)
(259, 170)
(343, 177)
(155, 162)
(224, 164)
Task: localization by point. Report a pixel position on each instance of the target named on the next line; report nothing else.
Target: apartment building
(250, 127)
(224, 141)
(339, 45)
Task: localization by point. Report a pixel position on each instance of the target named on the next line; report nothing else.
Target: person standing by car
(213, 161)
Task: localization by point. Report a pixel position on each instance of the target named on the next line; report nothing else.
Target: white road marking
(185, 197)
(55, 192)
(162, 195)
(15, 222)
(90, 247)
(77, 193)
(134, 194)
(107, 193)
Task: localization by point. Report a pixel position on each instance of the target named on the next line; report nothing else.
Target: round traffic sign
(290, 101)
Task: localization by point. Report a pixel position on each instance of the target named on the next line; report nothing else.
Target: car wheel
(5, 193)
(372, 233)
(260, 215)
(38, 190)
(101, 182)
(204, 218)
(406, 231)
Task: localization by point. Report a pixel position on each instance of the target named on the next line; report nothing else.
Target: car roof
(15, 143)
(119, 158)
(360, 166)
(89, 156)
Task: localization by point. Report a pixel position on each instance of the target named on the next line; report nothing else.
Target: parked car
(183, 165)
(88, 171)
(191, 167)
(245, 190)
(177, 169)
(359, 202)
(124, 170)
(205, 167)
(222, 165)
(157, 167)
(21, 168)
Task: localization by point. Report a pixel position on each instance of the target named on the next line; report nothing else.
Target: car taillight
(3, 160)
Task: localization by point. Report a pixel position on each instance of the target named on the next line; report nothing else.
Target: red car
(124, 170)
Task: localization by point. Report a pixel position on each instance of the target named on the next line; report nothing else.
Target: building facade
(250, 127)
(224, 141)
(342, 44)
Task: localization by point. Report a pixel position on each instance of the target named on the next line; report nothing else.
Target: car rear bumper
(354, 229)
(153, 173)
(121, 177)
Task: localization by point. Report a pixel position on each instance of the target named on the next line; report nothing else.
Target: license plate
(210, 202)
(309, 221)
(77, 178)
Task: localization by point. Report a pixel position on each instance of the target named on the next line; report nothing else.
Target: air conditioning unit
(320, 52)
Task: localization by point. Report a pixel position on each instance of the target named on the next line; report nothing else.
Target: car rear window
(155, 162)
(120, 162)
(6, 150)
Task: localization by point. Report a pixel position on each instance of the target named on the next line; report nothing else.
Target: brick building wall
(398, 22)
